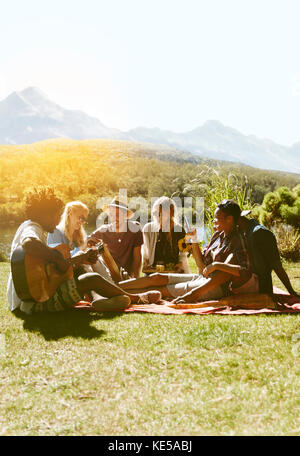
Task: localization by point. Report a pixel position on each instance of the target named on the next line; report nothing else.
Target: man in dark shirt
(123, 237)
(264, 255)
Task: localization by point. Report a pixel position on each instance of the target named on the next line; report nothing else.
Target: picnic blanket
(285, 303)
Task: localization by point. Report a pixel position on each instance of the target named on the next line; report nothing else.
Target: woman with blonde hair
(70, 229)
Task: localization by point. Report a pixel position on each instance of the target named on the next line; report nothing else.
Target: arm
(37, 248)
(145, 249)
(197, 254)
(282, 275)
(233, 269)
(94, 238)
(137, 261)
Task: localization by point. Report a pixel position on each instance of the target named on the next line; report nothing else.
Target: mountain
(215, 140)
(29, 116)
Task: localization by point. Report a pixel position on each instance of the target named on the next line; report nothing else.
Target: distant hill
(29, 116)
(87, 170)
(214, 140)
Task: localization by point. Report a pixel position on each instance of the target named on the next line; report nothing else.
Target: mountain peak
(28, 116)
(213, 123)
(32, 92)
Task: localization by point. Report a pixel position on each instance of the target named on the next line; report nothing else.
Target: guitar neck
(76, 260)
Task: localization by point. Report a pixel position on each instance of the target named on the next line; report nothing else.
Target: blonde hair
(79, 236)
(165, 204)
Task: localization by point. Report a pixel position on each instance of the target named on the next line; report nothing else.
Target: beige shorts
(251, 286)
(180, 284)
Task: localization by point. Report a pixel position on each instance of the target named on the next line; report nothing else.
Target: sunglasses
(82, 219)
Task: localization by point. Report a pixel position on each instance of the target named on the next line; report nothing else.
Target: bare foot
(149, 297)
(115, 304)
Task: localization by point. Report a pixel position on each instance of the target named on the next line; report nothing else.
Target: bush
(271, 203)
(288, 240)
(296, 190)
(290, 215)
(3, 258)
(281, 206)
(286, 196)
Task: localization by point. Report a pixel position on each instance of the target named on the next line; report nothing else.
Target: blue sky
(167, 64)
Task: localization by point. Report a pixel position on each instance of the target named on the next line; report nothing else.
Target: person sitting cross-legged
(224, 265)
(44, 210)
(162, 239)
(122, 236)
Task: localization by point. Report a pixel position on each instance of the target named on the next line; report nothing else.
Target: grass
(142, 374)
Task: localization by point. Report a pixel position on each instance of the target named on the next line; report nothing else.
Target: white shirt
(28, 229)
(150, 235)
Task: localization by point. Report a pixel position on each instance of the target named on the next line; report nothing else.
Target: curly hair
(40, 201)
(230, 207)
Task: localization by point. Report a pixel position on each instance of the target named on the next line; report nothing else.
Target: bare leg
(153, 280)
(93, 281)
(195, 295)
(115, 304)
(164, 291)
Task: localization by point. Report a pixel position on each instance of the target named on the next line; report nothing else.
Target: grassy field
(141, 374)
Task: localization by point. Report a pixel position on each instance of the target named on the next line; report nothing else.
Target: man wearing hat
(122, 236)
(264, 255)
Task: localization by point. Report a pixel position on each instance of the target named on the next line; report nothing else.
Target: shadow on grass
(54, 326)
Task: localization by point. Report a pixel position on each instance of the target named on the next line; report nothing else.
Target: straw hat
(116, 202)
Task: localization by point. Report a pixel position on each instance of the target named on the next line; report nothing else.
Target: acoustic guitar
(36, 279)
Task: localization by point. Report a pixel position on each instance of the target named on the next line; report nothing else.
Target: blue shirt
(59, 237)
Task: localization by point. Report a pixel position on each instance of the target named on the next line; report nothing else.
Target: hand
(294, 293)
(146, 264)
(91, 241)
(91, 256)
(178, 300)
(192, 235)
(209, 270)
(179, 268)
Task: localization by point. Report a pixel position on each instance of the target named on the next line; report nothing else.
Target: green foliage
(271, 203)
(86, 373)
(280, 206)
(290, 214)
(3, 257)
(296, 190)
(87, 170)
(288, 240)
(214, 187)
(286, 196)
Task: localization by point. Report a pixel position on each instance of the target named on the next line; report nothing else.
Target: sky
(170, 64)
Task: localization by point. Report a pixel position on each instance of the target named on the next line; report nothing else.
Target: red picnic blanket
(286, 304)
